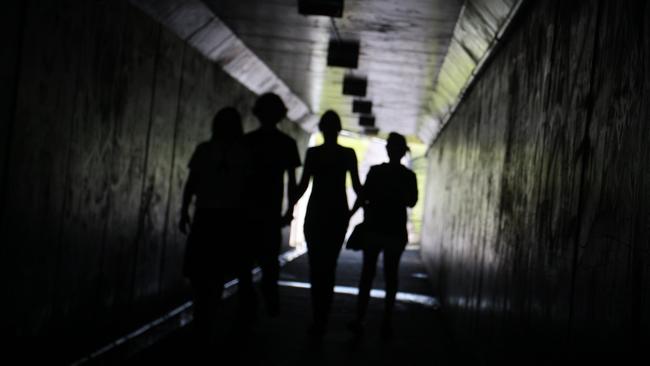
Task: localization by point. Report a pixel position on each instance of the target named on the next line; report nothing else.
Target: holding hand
(287, 218)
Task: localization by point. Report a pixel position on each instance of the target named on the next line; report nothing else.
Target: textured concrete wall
(11, 26)
(109, 108)
(537, 213)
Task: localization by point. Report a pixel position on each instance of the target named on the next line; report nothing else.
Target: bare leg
(392, 257)
(365, 284)
(323, 257)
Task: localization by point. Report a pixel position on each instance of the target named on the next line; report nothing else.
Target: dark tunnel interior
(529, 240)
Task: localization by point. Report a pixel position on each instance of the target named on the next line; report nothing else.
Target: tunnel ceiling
(402, 46)
(480, 25)
(193, 22)
(418, 56)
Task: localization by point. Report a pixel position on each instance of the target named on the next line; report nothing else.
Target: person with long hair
(328, 213)
(387, 192)
(214, 181)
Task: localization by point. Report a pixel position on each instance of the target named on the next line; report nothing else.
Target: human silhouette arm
(299, 189)
(291, 192)
(307, 172)
(357, 204)
(354, 173)
(411, 194)
(362, 194)
(188, 192)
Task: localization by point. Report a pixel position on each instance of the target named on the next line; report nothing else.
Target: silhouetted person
(270, 154)
(387, 192)
(214, 179)
(327, 216)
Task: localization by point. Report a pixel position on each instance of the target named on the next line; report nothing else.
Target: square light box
(362, 106)
(367, 121)
(371, 130)
(329, 8)
(343, 54)
(356, 86)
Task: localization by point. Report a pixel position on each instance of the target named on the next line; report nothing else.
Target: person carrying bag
(390, 188)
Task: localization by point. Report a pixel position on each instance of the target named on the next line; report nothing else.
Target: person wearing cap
(327, 216)
(390, 188)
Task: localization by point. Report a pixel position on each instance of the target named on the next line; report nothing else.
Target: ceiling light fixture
(330, 8)
(353, 85)
(362, 106)
(343, 54)
(367, 121)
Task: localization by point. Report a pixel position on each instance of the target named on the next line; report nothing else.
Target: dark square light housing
(356, 86)
(370, 130)
(330, 8)
(367, 121)
(362, 106)
(343, 54)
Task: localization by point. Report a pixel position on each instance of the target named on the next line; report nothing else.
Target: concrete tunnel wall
(102, 108)
(537, 212)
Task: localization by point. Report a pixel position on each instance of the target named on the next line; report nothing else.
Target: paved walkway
(419, 336)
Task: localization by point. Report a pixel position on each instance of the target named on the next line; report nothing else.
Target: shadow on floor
(419, 335)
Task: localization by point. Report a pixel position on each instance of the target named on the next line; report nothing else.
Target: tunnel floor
(419, 334)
